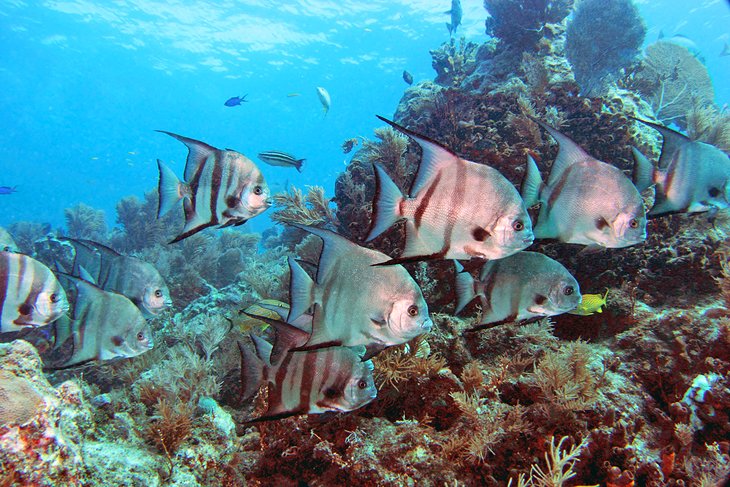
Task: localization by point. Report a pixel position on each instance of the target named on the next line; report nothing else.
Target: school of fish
(98, 303)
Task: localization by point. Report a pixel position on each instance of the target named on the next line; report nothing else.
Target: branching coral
(602, 39)
(708, 124)
(559, 466)
(519, 24)
(170, 426)
(312, 209)
(25, 233)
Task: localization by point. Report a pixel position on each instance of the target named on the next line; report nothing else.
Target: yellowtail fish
(324, 99)
(591, 304)
(105, 326)
(522, 287)
(457, 209)
(7, 244)
(585, 201)
(354, 302)
(254, 316)
(691, 176)
(136, 279)
(333, 379)
(30, 294)
(222, 187)
(281, 159)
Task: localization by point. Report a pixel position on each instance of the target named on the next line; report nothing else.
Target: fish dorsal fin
(301, 290)
(101, 247)
(435, 157)
(84, 274)
(671, 142)
(568, 152)
(198, 153)
(287, 336)
(334, 246)
(252, 371)
(263, 349)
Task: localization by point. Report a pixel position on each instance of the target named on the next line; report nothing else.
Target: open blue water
(84, 83)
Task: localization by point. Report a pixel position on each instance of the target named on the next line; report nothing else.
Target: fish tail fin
(448, 25)
(169, 189)
(464, 287)
(531, 184)
(252, 369)
(301, 290)
(644, 171)
(300, 164)
(388, 198)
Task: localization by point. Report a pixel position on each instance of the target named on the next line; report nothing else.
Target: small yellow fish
(591, 304)
(264, 309)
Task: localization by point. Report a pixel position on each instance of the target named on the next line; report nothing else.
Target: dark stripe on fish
(425, 201)
(309, 365)
(4, 281)
(559, 186)
(489, 286)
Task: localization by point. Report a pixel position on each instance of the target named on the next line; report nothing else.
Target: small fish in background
(281, 159)
(8, 189)
(407, 77)
(30, 294)
(134, 278)
(334, 379)
(585, 201)
(350, 144)
(7, 244)
(292, 95)
(104, 326)
(690, 177)
(591, 304)
(236, 100)
(455, 13)
(522, 287)
(324, 99)
(725, 50)
(457, 209)
(222, 187)
(682, 41)
(354, 302)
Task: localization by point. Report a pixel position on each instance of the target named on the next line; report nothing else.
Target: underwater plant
(708, 124)
(85, 222)
(519, 24)
(453, 62)
(311, 209)
(601, 39)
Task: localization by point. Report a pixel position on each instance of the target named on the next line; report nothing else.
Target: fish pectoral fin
(371, 351)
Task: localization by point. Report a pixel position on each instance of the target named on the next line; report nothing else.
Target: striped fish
(105, 326)
(222, 187)
(691, 176)
(457, 209)
(355, 303)
(7, 244)
(30, 294)
(585, 201)
(111, 271)
(278, 158)
(332, 379)
(590, 304)
(522, 287)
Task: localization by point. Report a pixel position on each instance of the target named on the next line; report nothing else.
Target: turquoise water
(84, 84)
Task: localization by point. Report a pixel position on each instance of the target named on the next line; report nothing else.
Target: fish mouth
(427, 324)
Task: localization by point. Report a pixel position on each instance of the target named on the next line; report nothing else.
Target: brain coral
(19, 400)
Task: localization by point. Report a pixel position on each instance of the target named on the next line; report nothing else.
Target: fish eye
(634, 223)
(140, 336)
(362, 384)
(158, 293)
(568, 290)
(713, 192)
(518, 225)
(258, 190)
(55, 298)
(413, 310)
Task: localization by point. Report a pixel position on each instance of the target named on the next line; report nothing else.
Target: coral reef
(602, 39)
(453, 63)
